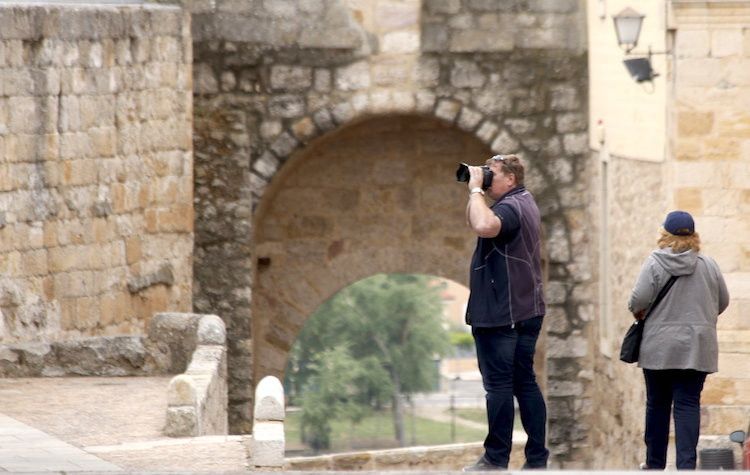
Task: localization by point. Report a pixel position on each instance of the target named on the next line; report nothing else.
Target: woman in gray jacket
(679, 346)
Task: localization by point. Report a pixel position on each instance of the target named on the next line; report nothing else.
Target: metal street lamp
(628, 27)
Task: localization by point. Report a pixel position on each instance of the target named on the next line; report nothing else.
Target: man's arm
(480, 218)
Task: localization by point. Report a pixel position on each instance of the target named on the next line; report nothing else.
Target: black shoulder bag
(631, 344)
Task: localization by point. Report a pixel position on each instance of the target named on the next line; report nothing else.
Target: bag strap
(661, 295)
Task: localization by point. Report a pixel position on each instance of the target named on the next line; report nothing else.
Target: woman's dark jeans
(665, 388)
(506, 361)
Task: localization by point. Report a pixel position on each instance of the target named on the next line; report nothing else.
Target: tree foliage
(366, 347)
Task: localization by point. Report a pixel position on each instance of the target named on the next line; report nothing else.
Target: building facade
(325, 136)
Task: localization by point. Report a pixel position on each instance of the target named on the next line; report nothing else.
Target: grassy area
(377, 431)
(480, 415)
(476, 415)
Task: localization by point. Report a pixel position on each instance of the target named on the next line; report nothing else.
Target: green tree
(391, 325)
(330, 392)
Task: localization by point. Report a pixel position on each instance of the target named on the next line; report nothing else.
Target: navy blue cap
(679, 223)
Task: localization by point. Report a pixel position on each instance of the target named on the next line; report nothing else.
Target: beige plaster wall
(631, 117)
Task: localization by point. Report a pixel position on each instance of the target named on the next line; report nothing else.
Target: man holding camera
(506, 307)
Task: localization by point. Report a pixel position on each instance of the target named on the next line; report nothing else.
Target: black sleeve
(510, 222)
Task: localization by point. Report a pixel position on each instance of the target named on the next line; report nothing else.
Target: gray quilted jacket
(681, 332)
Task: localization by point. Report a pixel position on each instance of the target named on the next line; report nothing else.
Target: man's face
(501, 183)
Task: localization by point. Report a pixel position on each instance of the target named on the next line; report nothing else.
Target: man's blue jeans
(665, 388)
(506, 361)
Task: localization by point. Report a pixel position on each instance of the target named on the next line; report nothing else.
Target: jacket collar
(514, 191)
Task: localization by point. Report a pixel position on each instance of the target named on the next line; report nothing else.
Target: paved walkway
(115, 422)
(25, 449)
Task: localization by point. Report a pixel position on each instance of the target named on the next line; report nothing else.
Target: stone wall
(440, 457)
(699, 165)
(166, 348)
(710, 177)
(490, 76)
(95, 168)
(631, 211)
(197, 398)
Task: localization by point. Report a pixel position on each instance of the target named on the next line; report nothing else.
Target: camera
(462, 174)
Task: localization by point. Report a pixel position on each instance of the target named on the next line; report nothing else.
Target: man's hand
(476, 177)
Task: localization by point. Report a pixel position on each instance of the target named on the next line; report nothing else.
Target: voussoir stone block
(447, 109)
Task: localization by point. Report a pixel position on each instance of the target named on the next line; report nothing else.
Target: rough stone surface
(95, 170)
(211, 330)
(479, 86)
(181, 421)
(182, 391)
(445, 457)
(372, 97)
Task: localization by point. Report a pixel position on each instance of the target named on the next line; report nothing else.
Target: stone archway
(378, 195)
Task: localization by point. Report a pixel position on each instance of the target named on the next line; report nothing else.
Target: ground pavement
(101, 424)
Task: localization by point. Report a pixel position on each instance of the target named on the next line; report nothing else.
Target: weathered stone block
(290, 78)
(343, 113)
(493, 102)
(353, 77)
(266, 165)
(563, 98)
(726, 42)
(571, 122)
(467, 74)
(695, 123)
(553, 6)
(182, 391)
(204, 79)
(333, 38)
(286, 106)
(690, 43)
(181, 422)
(356, 461)
(304, 129)
(323, 80)
(391, 72)
(268, 444)
(400, 42)
(434, 37)
(504, 143)
(571, 347)
(324, 120)
(466, 41)
(447, 109)
(425, 101)
(557, 388)
(443, 6)
(468, 119)
(487, 131)
(576, 143)
(211, 330)
(284, 145)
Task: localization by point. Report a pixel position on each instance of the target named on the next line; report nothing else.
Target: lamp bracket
(649, 53)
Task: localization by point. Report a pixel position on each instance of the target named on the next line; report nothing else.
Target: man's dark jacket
(506, 271)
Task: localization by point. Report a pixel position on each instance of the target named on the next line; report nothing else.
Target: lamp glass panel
(628, 29)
